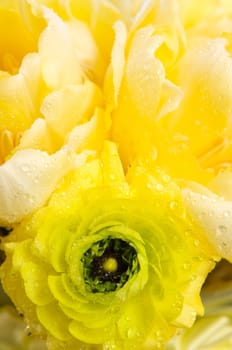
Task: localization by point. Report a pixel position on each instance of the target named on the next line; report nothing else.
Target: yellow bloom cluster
(115, 165)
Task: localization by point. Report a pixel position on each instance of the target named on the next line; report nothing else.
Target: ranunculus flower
(108, 261)
(49, 107)
(109, 249)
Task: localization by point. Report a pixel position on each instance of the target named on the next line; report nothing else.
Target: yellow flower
(52, 107)
(111, 248)
(108, 261)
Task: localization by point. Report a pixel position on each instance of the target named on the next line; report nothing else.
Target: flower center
(108, 264)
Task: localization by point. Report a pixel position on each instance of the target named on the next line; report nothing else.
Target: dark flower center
(108, 264)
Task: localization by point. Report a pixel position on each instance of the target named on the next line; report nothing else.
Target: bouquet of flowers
(116, 170)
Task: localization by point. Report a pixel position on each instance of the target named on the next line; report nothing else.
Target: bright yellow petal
(16, 39)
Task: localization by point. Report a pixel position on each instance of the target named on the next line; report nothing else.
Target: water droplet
(227, 213)
(188, 232)
(130, 333)
(28, 331)
(159, 187)
(173, 205)
(112, 177)
(193, 277)
(36, 180)
(221, 230)
(31, 200)
(186, 266)
(196, 242)
(193, 315)
(25, 168)
(166, 178)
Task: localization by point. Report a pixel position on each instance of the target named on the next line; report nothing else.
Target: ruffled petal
(27, 180)
(214, 215)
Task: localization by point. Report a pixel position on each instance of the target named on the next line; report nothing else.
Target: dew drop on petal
(159, 187)
(186, 266)
(221, 230)
(173, 205)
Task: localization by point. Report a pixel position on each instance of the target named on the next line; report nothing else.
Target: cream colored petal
(65, 108)
(196, 11)
(38, 137)
(116, 69)
(27, 180)
(81, 133)
(170, 99)
(205, 75)
(142, 10)
(90, 135)
(31, 71)
(118, 56)
(60, 65)
(86, 50)
(214, 215)
(222, 185)
(144, 73)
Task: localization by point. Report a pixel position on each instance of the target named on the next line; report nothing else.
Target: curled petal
(89, 135)
(38, 137)
(27, 180)
(65, 108)
(60, 65)
(118, 60)
(214, 215)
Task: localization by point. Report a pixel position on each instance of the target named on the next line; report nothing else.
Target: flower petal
(65, 108)
(214, 215)
(27, 180)
(58, 324)
(60, 65)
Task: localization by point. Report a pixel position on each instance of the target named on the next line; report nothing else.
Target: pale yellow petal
(65, 108)
(31, 71)
(86, 50)
(38, 137)
(214, 216)
(60, 65)
(103, 15)
(205, 76)
(27, 180)
(89, 135)
(116, 70)
(222, 184)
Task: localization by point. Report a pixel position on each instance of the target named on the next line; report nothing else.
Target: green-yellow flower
(108, 261)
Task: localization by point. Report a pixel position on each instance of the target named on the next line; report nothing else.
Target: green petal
(53, 319)
(95, 319)
(34, 274)
(90, 336)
